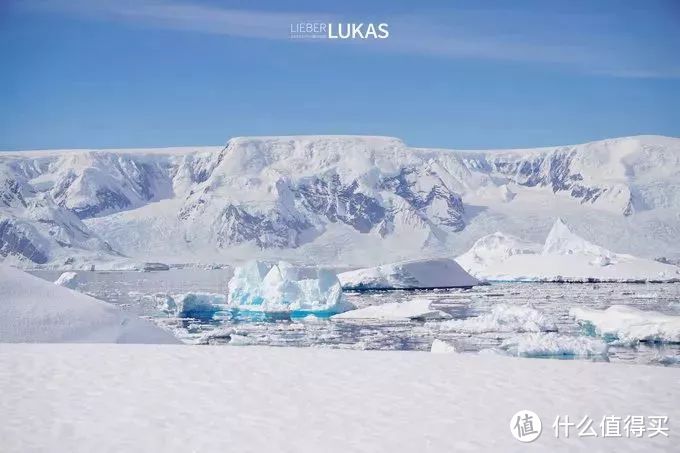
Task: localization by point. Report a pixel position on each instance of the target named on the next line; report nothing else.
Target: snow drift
(416, 274)
(282, 288)
(34, 310)
(564, 256)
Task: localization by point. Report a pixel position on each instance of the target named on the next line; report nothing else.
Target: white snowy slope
(347, 200)
(35, 311)
(428, 273)
(113, 398)
(564, 256)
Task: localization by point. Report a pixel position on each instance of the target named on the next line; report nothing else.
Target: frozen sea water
(554, 300)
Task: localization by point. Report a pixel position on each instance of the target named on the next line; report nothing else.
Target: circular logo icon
(525, 426)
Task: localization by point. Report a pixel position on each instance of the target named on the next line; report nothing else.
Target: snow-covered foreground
(34, 310)
(209, 399)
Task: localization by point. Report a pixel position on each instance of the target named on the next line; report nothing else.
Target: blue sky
(457, 74)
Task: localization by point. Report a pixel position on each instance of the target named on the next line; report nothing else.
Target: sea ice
(442, 347)
(280, 288)
(67, 280)
(503, 318)
(628, 324)
(427, 273)
(202, 306)
(413, 309)
(550, 344)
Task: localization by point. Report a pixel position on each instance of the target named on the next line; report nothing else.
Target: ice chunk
(552, 344)
(279, 288)
(67, 280)
(429, 273)
(412, 309)
(165, 303)
(202, 306)
(442, 347)
(503, 318)
(628, 324)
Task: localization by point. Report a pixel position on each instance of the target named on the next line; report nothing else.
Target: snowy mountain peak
(562, 241)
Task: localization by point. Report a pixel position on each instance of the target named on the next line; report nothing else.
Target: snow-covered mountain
(341, 200)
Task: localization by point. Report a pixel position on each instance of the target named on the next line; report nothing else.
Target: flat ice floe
(628, 324)
(415, 274)
(67, 280)
(395, 311)
(565, 256)
(551, 344)
(503, 318)
(34, 310)
(282, 288)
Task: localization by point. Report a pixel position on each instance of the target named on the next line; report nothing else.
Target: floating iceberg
(280, 288)
(201, 306)
(442, 347)
(67, 280)
(416, 274)
(628, 324)
(503, 318)
(551, 344)
(565, 256)
(413, 309)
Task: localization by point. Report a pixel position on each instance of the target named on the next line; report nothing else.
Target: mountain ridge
(358, 200)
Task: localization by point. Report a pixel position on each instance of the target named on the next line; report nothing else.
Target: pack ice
(283, 288)
(34, 310)
(565, 256)
(414, 274)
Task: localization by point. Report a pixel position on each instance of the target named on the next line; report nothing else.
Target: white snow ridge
(34, 310)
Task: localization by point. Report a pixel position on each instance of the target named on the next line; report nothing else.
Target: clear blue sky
(458, 74)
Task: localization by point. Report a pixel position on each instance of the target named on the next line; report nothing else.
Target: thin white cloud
(518, 36)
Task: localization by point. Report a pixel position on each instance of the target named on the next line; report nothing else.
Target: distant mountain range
(331, 200)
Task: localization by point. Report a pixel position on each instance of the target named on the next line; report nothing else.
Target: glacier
(352, 200)
(283, 288)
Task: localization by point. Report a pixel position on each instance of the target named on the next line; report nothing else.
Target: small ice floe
(442, 347)
(149, 267)
(662, 359)
(416, 309)
(503, 318)
(201, 306)
(165, 303)
(67, 280)
(280, 288)
(628, 324)
(415, 274)
(551, 344)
